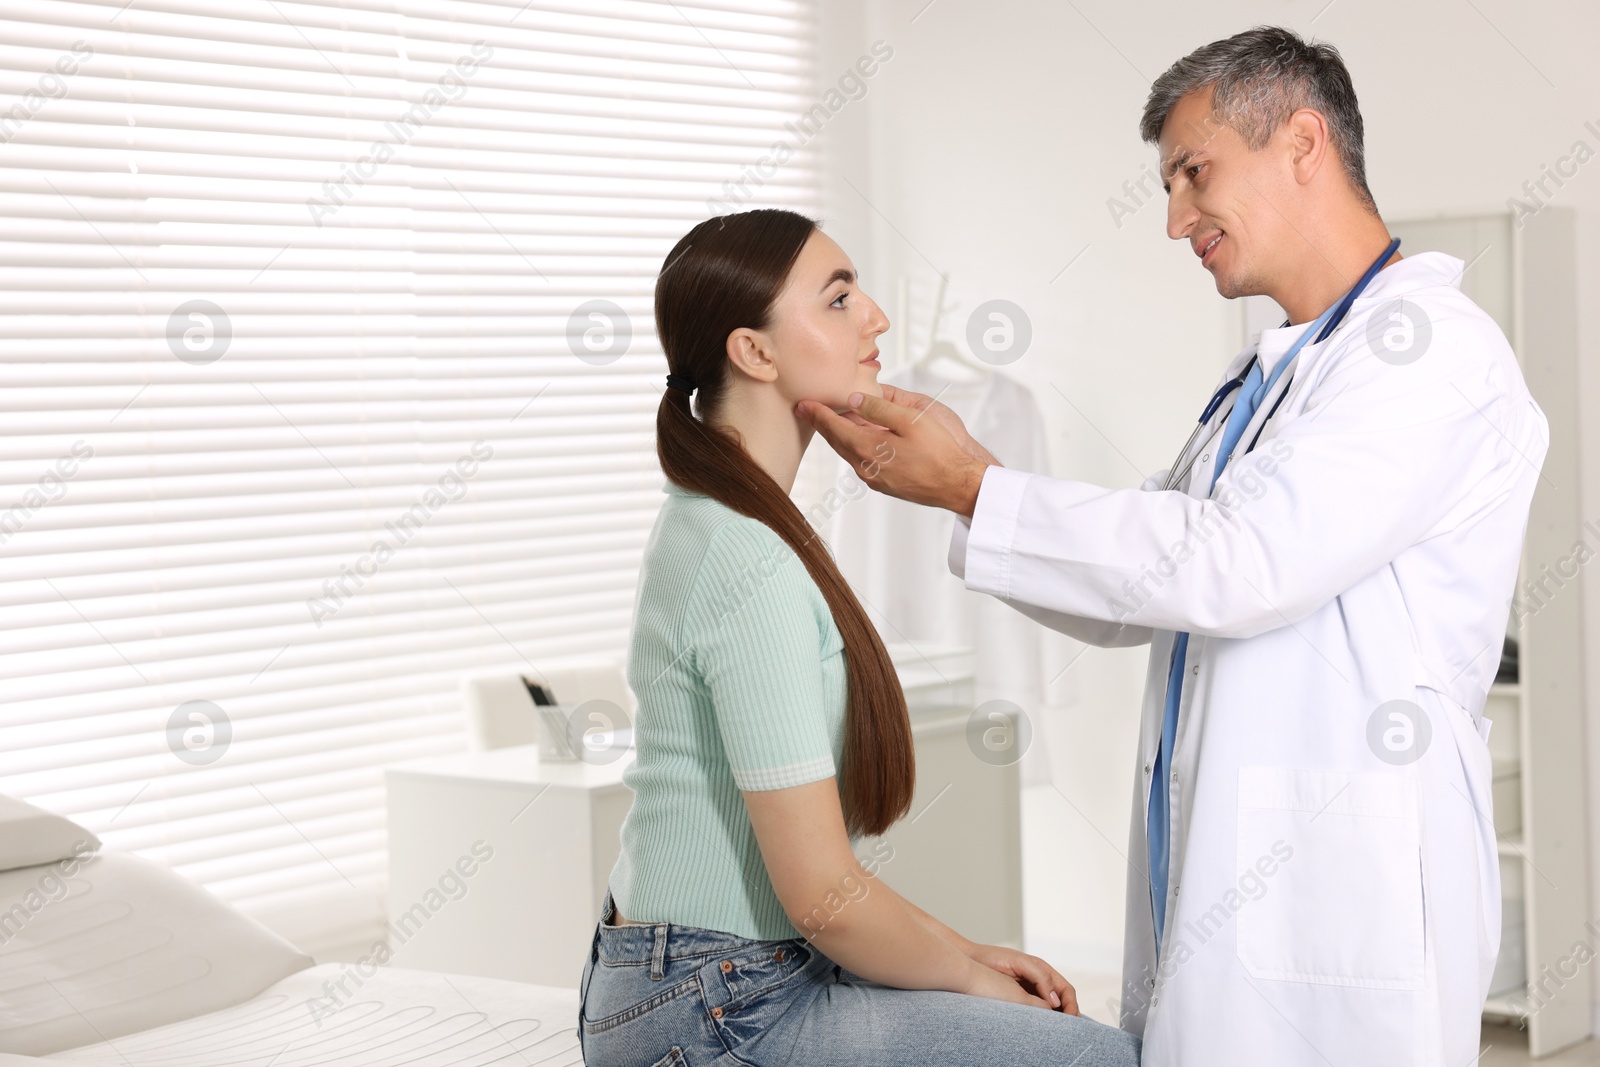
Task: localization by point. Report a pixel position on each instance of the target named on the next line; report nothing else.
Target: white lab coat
(1324, 905)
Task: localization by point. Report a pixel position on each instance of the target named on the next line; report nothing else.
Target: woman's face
(824, 330)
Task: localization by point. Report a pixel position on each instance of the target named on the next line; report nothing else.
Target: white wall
(988, 147)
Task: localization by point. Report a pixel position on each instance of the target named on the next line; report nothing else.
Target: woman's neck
(769, 429)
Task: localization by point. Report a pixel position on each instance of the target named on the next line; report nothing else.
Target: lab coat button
(1196, 669)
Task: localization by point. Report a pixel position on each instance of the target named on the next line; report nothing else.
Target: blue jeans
(666, 995)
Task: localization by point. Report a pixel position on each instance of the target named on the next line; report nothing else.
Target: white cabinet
(527, 911)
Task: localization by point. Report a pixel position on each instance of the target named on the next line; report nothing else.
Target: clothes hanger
(943, 359)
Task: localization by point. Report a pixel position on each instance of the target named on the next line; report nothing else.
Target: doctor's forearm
(964, 495)
(1071, 551)
(1090, 631)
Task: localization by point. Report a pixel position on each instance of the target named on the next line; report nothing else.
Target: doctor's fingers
(940, 412)
(897, 417)
(902, 415)
(856, 442)
(921, 401)
(927, 405)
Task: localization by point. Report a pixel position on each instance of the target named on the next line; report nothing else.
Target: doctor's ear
(750, 352)
(1308, 143)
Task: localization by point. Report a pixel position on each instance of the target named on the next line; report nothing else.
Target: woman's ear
(750, 353)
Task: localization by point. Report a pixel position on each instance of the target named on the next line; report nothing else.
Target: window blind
(307, 402)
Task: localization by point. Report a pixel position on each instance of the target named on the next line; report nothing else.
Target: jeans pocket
(1346, 906)
(605, 998)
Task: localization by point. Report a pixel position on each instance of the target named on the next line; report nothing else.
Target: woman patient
(772, 733)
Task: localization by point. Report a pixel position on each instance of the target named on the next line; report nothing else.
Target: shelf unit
(1525, 277)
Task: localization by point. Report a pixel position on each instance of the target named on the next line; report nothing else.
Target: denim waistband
(658, 942)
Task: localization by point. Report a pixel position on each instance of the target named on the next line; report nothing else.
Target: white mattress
(396, 1017)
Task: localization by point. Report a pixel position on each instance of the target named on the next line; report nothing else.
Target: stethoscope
(1327, 322)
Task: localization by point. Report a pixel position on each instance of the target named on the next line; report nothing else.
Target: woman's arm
(1045, 980)
(852, 918)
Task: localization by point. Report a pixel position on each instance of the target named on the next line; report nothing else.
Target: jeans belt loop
(658, 957)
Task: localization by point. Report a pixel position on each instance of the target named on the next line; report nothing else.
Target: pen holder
(595, 732)
(556, 741)
(504, 709)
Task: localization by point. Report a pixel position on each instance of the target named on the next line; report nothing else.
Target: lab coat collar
(1425, 270)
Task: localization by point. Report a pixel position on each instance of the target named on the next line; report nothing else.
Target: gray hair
(1261, 77)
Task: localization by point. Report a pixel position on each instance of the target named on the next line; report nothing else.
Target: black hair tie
(678, 381)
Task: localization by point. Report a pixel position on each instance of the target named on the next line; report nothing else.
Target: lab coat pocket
(1345, 905)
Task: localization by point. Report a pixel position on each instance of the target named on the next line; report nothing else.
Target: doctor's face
(824, 329)
(1222, 197)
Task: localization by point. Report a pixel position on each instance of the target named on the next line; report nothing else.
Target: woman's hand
(1029, 972)
(987, 982)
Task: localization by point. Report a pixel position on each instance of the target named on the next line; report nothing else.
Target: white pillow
(96, 948)
(30, 836)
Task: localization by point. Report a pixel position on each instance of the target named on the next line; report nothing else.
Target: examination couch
(108, 958)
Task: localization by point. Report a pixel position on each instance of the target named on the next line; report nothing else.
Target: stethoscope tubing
(1217, 398)
(1233, 384)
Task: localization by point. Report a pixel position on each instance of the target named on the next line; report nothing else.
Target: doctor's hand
(947, 418)
(901, 453)
(1031, 973)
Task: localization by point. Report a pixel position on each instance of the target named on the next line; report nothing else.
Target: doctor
(1324, 578)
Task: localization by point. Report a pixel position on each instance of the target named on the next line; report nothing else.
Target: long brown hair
(725, 274)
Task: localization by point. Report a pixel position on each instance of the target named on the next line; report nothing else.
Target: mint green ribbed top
(739, 672)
